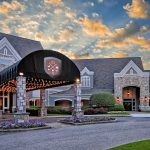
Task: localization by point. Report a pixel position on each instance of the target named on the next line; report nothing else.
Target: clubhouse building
(125, 78)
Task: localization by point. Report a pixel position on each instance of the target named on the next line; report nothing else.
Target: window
(5, 51)
(85, 81)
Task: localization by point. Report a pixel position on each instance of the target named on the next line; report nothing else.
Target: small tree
(102, 100)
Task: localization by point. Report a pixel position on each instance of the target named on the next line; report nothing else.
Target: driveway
(87, 137)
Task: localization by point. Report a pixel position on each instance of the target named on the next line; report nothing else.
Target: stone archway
(132, 76)
(131, 98)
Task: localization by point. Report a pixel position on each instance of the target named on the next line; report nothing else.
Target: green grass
(118, 113)
(140, 145)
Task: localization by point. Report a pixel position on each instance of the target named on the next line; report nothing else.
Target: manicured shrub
(58, 110)
(92, 111)
(33, 111)
(102, 100)
(117, 107)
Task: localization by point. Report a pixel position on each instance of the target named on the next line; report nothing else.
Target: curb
(89, 123)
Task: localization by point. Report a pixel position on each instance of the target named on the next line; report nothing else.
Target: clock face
(52, 66)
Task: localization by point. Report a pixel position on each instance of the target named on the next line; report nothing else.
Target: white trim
(130, 65)
(85, 70)
(85, 81)
(5, 42)
(61, 99)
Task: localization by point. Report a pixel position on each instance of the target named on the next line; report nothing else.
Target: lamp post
(77, 112)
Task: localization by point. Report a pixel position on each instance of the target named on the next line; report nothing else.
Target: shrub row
(92, 111)
(58, 110)
(117, 107)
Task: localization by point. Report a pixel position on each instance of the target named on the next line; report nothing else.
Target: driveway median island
(88, 120)
(10, 126)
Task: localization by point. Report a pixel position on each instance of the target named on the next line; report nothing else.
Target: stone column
(21, 115)
(77, 112)
(43, 110)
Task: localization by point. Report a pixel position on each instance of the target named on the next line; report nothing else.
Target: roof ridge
(16, 36)
(105, 58)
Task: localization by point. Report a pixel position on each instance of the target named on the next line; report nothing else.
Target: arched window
(85, 81)
(5, 51)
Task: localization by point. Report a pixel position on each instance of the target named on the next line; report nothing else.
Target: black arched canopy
(42, 69)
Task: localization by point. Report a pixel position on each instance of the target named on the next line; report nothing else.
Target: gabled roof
(104, 69)
(22, 45)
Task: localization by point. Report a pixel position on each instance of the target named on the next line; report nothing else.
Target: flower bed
(30, 124)
(87, 120)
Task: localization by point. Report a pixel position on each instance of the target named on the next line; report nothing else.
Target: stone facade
(137, 79)
(21, 94)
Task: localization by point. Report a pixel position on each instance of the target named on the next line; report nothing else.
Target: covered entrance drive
(39, 70)
(131, 98)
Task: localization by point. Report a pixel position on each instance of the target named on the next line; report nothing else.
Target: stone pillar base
(21, 117)
(77, 114)
(144, 108)
(42, 112)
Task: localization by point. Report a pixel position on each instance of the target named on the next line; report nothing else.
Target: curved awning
(42, 69)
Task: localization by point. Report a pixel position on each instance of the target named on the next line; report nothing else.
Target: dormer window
(85, 81)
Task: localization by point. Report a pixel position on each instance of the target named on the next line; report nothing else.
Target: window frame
(86, 81)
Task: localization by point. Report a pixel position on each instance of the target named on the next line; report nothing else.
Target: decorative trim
(130, 65)
(85, 70)
(5, 42)
(61, 99)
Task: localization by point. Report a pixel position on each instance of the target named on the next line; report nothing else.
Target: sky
(82, 28)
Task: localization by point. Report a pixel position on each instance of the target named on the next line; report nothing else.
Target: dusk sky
(82, 28)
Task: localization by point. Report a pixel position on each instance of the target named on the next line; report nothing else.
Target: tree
(102, 100)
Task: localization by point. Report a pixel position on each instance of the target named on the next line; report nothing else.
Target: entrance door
(127, 105)
(131, 98)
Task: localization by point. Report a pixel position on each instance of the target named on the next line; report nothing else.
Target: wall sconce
(118, 99)
(77, 81)
(21, 73)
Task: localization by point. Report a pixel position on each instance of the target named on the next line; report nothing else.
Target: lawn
(140, 145)
(58, 115)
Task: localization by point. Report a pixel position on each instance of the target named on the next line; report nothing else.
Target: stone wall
(132, 80)
(21, 94)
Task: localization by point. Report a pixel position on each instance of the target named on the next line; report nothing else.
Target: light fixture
(77, 81)
(21, 73)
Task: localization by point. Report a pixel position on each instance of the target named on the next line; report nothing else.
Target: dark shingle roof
(22, 45)
(104, 69)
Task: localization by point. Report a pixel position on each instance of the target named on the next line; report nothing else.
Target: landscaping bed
(32, 124)
(88, 120)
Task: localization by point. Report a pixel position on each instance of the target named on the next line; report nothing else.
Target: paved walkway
(140, 114)
(87, 137)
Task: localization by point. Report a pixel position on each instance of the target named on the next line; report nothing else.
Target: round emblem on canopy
(52, 66)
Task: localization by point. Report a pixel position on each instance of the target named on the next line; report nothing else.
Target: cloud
(138, 9)
(6, 7)
(141, 41)
(54, 2)
(72, 55)
(118, 54)
(68, 53)
(147, 65)
(100, 1)
(92, 27)
(63, 36)
(120, 37)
